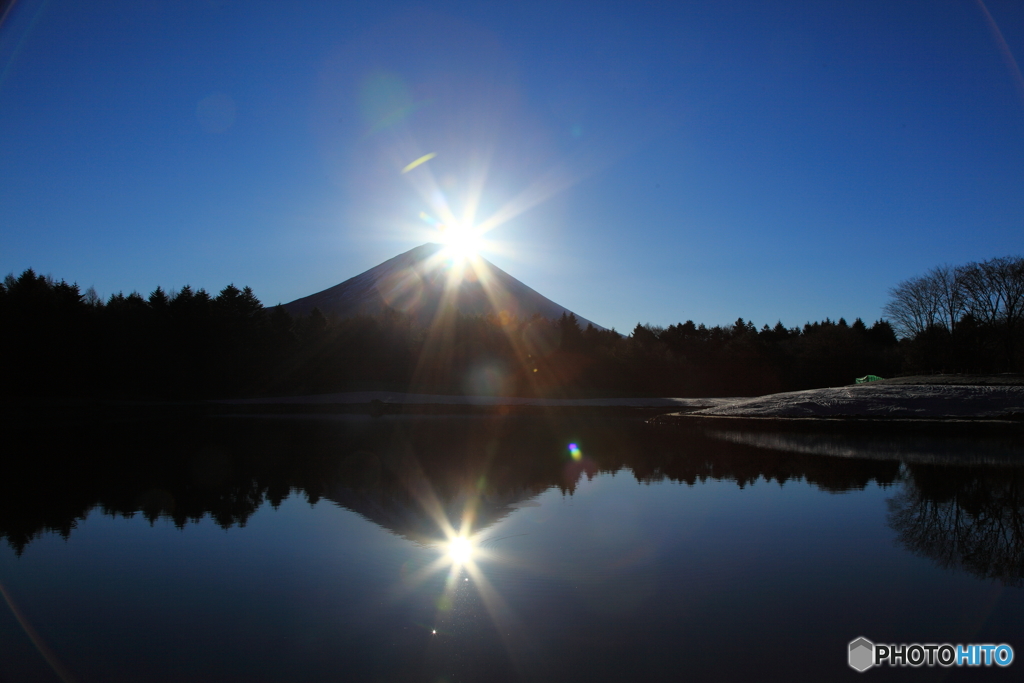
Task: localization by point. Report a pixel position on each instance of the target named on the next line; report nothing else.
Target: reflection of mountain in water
(412, 508)
(405, 474)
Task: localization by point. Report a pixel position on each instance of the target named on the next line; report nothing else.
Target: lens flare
(422, 160)
(575, 451)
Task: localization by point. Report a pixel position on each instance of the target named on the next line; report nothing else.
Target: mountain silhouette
(423, 282)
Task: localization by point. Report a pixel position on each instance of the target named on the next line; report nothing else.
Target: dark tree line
(967, 318)
(741, 359)
(58, 341)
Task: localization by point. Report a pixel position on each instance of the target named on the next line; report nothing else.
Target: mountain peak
(423, 283)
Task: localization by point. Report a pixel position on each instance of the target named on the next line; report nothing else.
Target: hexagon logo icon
(862, 654)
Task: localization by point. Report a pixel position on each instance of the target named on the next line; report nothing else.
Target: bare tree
(991, 292)
(1007, 276)
(948, 286)
(914, 306)
(984, 300)
(995, 296)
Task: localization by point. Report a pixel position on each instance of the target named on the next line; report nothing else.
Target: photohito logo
(863, 654)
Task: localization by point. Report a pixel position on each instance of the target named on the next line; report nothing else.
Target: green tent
(868, 378)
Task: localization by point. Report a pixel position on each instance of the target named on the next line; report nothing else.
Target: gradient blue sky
(770, 160)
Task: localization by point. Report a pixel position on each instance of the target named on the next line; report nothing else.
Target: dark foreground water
(296, 549)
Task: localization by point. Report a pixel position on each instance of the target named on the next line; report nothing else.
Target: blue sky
(705, 161)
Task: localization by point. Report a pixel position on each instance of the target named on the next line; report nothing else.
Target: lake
(318, 549)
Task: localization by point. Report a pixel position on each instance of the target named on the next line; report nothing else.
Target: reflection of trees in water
(913, 446)
(386, 470)
(706, 459)
(964, 518)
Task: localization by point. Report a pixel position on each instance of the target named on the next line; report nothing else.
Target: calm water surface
(316, 549)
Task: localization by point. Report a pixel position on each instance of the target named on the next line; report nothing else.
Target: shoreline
(842, 424)
(70, 413)
(946, 402)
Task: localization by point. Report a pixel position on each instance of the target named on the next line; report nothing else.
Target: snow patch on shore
(881, 400)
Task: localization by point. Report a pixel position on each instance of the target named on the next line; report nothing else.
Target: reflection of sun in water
(460, 550)
(460, 554)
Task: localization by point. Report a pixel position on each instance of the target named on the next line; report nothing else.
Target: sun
(461, 242)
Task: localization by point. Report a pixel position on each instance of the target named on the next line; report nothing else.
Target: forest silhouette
(190, 344)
